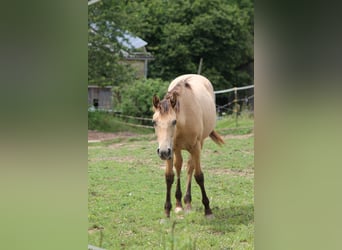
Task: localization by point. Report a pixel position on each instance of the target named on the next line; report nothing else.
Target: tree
(137, 99)
(107, 20)
(180, 33)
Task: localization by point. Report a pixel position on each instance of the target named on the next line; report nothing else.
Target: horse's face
(165, 127)
(164, 122)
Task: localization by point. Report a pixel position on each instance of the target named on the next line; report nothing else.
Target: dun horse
(182, 120)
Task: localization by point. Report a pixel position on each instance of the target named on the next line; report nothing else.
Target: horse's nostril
(164, 154)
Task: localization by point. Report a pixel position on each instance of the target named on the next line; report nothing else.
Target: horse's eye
(154, 123)
(174, 122)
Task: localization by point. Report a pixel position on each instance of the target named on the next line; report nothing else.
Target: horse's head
(164, 122)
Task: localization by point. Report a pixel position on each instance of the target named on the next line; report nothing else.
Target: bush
(98, 120)
(137, 98)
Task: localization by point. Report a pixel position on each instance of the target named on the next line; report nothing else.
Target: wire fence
(235, 106)
(235, 89)
(237, 100)
(134, 118)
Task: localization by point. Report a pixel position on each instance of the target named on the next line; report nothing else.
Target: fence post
(236, 106)
(200, 66)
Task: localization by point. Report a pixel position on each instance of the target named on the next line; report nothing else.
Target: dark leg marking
(187, 197)
(200, 181)
(169, 181)
(178, 194)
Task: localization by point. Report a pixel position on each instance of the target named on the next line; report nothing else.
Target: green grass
(106, 122)
(127, 194)
(230, 125)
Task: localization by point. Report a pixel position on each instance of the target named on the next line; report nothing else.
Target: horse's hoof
(209, 216)
(178, 210)
(188, 208)
(180, 216)
(162, 221)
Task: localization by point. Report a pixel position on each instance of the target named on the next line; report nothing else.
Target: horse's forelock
(165, 104)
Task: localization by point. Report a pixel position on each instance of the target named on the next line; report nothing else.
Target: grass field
(127, 194)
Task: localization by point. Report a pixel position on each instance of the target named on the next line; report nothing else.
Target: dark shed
(100, 97)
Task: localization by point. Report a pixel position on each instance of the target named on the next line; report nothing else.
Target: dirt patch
(245, 172)
(95, 229)
(238, 136)
(116, 159)
(96, 136)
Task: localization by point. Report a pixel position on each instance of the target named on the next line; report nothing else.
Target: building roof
(131, 42)
(126, 39)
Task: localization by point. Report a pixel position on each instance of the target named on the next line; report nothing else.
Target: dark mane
(165, 104)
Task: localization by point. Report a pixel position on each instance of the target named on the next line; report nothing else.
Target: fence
(234, 106)
(141, 119)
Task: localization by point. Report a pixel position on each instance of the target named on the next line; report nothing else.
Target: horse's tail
(216, 138)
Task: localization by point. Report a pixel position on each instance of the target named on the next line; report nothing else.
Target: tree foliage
(180, 33)
(137, 98)
(107, 20)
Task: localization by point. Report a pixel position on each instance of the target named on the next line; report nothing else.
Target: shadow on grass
(229, 219)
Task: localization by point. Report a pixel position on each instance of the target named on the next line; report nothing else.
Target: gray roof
(127, 39)
(131, 42)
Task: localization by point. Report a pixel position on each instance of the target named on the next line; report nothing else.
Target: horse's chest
(185, 141)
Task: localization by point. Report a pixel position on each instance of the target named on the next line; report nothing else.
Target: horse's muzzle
(164, 154)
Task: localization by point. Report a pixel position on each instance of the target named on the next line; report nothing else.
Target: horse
(182, 120)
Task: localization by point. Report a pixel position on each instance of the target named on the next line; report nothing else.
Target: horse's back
(198, 97)
(197, 82)
(200, 86)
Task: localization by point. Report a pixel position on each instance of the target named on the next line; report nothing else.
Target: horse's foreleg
(178, 166)
(169, 177)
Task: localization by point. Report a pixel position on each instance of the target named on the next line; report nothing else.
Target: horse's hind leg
(187, 197)
(178, 166)
(199, 177)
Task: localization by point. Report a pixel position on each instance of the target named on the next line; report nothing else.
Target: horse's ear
(173, 100)
(155, 101)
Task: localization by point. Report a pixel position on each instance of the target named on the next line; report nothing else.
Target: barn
(100, 97)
